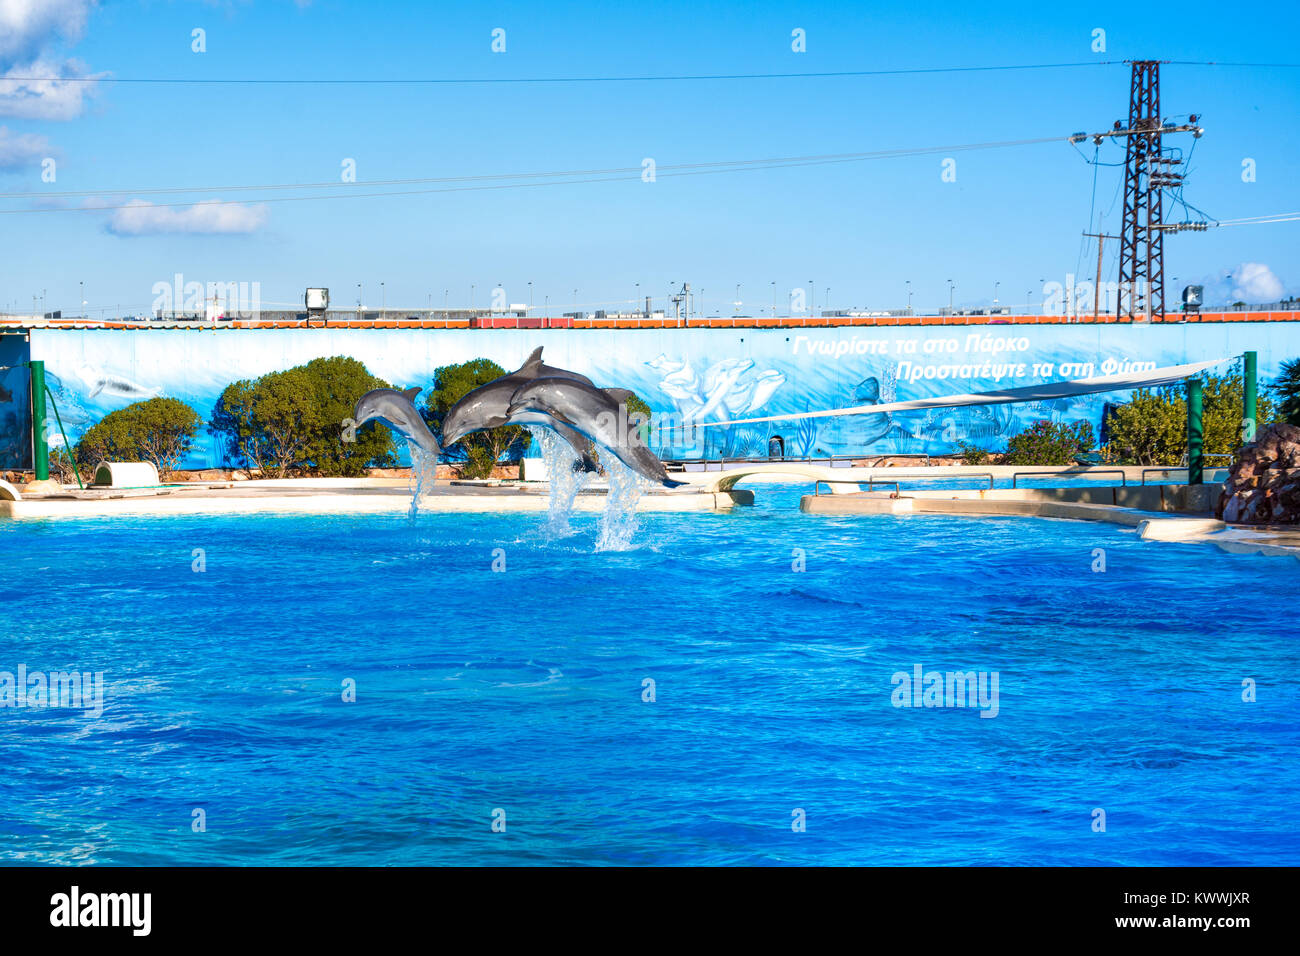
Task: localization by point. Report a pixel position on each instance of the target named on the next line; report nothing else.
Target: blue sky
(862, 229)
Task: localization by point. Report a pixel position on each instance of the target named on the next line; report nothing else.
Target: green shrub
(1286, 390)
(159, 430)
(637, 408)
(1151, 429)
(1049, 443)
(294, 420)
(971, 455)
(478, 452)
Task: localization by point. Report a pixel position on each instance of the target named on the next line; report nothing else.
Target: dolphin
(600, 414)
(487, 407)
(397, 410)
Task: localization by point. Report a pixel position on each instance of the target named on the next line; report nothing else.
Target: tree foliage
(294, 421)
(159, 430)
(1287, 392)
(478, 452)
(1151, 429)
(1049, 443)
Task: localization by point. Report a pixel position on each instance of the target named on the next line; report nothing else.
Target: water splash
(563, 481)
(618, 523)
(424, 471)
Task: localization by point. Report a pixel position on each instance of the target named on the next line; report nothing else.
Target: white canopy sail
(1027, 393)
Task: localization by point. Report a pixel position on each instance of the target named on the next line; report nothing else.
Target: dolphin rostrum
(397, 410)
(600, 414)
(487, 407)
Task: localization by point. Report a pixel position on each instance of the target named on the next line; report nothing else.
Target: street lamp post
(774, 298)
(908, 283)
(995, 293)
(951, 286)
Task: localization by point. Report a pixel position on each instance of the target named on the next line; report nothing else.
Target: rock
(1263, 485)
(35, 489)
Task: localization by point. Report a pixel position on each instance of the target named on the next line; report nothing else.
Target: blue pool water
(522, 691)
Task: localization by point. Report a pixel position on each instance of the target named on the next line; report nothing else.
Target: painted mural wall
(686, 375)
(15, 404)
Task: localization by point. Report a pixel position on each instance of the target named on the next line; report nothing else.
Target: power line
(545, 179)
(437, 81)
(451, 81)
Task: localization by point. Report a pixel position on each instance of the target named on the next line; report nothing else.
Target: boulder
(1263, 485)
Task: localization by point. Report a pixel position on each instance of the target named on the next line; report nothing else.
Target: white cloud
(29, 30)
(1251, 282)
(55, 96)
(210, 217)
(1255, 282)
(20, 150)
(28, 26)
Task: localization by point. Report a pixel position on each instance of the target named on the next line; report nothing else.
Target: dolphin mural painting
(488, 407)
(397, 410)
(600, 414)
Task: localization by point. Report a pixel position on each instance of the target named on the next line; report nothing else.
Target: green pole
(1195, 434)
(40, 452)
(1249, 393)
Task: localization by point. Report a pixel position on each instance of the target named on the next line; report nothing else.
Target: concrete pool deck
(339, 496)
(1159, 512)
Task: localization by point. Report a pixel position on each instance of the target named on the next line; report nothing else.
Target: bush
(971, 455)
(1287, 392)
(478, 452)
(1151, 429)
(160, 430)
(1049, 443)
(293, 420)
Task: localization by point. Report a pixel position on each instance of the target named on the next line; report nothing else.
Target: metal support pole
(1195, 434)
(40, 451)
(1249, 394)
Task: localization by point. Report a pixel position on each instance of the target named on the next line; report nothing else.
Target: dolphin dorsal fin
(532, 363)
(620, 395)
(411, 392)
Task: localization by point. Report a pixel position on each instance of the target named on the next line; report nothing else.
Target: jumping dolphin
(397, 410)
(600, 414)
(487, 407)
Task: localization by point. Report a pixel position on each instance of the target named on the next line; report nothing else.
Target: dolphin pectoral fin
(670, 483)
(410, 393)
(531, 364)
(620, 395)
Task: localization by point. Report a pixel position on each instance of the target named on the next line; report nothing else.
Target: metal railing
(846, 461)
(1057, 474)
(817, 485)
(1166, 470)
